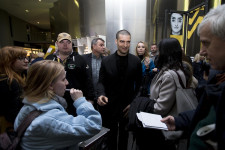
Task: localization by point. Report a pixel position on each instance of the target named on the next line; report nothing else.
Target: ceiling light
(38, 22)
(26, 10)
(76, 2)
(39, 0)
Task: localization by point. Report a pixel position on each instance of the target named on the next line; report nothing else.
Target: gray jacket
(163, 91)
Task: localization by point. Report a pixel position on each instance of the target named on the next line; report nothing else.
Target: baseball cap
(63, 36)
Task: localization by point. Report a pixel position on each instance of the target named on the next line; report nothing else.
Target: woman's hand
(75, 94)
(155, 70)
(147, 62)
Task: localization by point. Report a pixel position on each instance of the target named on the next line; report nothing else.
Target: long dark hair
(170, 54)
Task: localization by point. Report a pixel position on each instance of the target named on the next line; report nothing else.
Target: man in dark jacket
(76, 69)
(94, 60)
(206, 125)
(119, 82)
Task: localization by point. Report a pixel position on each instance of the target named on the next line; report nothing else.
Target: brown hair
(8, 55)
(39, 78)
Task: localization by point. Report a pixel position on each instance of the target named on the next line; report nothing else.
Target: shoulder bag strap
(181, 82)
(27, 121)
(172, 72)
(177, 84)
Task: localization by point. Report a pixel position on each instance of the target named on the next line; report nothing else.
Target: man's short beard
(66, 53)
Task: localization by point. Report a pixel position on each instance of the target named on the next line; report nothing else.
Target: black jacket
(11, 102)
(88, 59)
(77, 75)
(120, 92)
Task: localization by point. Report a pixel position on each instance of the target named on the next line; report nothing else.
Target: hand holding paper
(151, 121)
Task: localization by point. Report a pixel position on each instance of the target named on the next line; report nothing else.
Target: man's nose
(203, 52)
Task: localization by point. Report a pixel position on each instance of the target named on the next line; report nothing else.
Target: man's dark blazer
(120, 93)
(88, 59)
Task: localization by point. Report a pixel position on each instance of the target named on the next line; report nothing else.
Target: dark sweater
(11, 102)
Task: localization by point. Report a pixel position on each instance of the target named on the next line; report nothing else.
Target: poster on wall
(176, 24)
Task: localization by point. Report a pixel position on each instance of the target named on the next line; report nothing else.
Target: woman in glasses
(13, 65)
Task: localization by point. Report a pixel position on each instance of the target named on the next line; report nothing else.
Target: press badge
(71, 66)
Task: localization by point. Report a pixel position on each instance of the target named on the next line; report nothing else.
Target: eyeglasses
(22, 58)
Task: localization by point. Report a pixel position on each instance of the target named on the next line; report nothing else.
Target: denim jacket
(55, 128)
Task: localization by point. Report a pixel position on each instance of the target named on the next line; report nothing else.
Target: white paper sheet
(151, 121)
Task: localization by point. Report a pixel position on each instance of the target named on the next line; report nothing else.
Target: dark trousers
(152, 139)
(118, 135)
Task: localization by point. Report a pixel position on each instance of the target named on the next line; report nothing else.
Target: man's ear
(116, 41)
(94, 46)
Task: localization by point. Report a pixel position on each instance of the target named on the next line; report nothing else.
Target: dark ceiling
(38, 14)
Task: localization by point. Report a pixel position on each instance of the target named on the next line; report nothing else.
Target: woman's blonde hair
(197, 58)
(146, 54)
(8, 56)
(39, 78)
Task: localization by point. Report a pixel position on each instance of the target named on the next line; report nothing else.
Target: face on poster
(176, 22)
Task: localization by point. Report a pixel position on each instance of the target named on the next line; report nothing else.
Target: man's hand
(170, 122)
(125, 111)
(102, 100)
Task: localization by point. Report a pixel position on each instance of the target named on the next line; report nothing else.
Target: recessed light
(38, 22)
(39, 0)
(27, 10)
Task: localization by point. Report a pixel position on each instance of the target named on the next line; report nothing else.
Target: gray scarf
(61, 101)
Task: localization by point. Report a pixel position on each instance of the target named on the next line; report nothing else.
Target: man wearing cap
(75, 67)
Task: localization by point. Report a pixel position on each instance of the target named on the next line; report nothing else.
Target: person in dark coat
(76, 70)
(207, 126)
(94, 60)
(119, 82)
(13, 65)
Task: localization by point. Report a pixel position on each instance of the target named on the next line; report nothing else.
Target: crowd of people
(78, 94)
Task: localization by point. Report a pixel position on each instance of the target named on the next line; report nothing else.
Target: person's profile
(176, 21)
